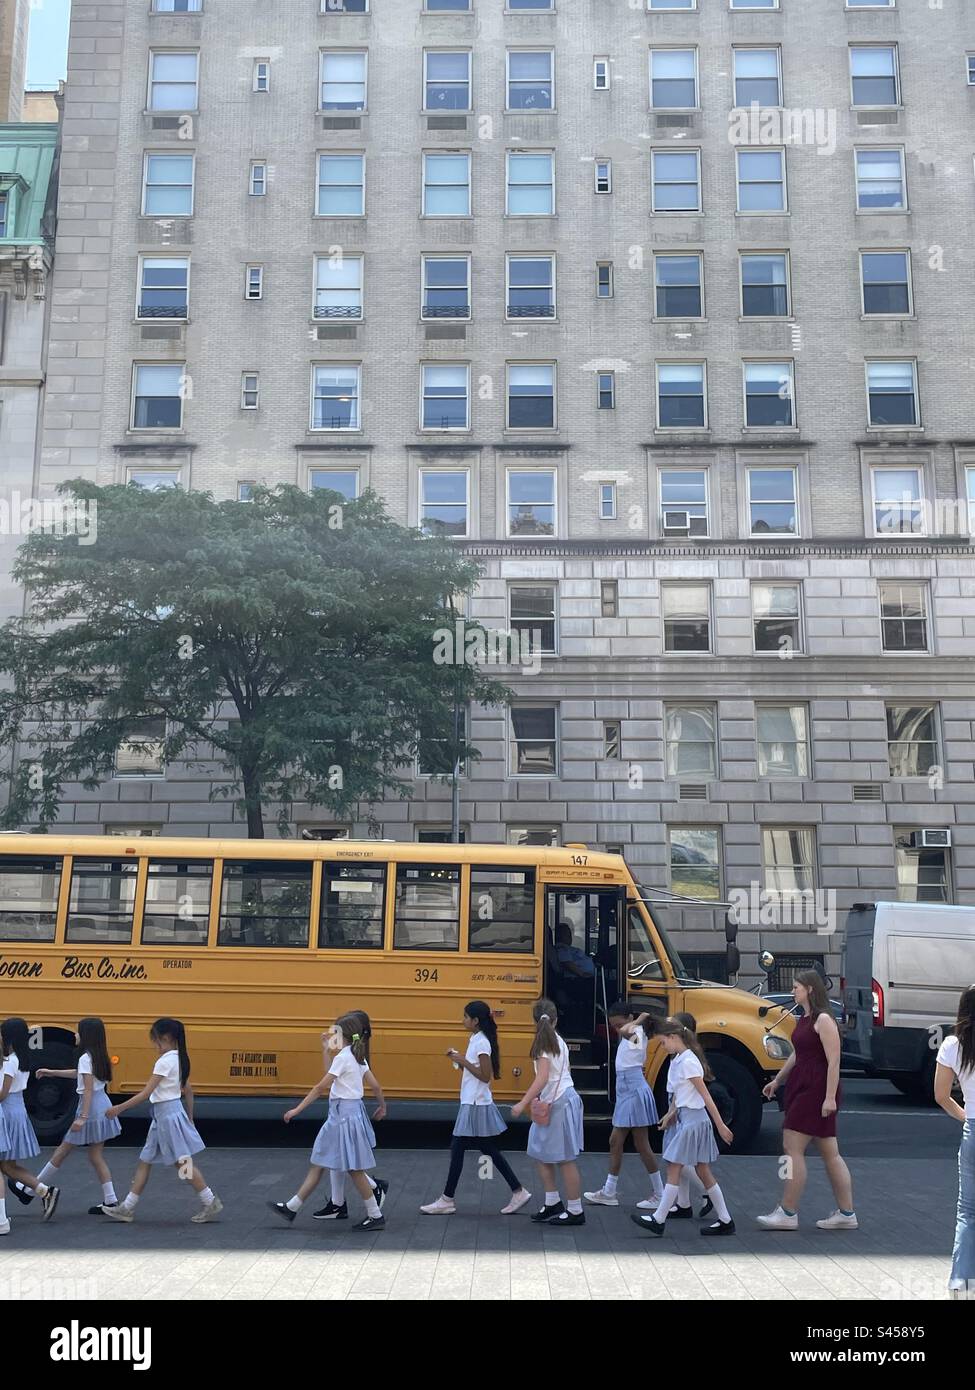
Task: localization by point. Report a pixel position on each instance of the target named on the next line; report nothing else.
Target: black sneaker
(706, 1210)
(50, 1202)
(679, 1213)
(380, 1191)
(547, 1213)
(99, 1211)
(649, 1224)
(332, 1213)
(719, 1228)
(21, 1192)
(371, 1223)
(283, 1210)
(568, 1218)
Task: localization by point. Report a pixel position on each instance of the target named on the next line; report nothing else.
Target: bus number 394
(425, 977)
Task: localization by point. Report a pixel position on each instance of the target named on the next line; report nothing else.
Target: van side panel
(857, 994)
(925, 974)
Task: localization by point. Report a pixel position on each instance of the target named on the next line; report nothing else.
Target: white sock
(108, 1193)
(666, 1202)
(684, 1189)
(656, 1185)
(3, 1208)
(720, 1207)
(610, 1185)
(337, 1182)
(206, 1196)
(294, 1203)
(48, 1171)
(129, 1202)
(575, 1206)
(372, 1207)
(41, 1189)
(552, 1199)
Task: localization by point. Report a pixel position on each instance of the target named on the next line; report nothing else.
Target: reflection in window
(29, 898)
(353, 901)
(264, 903)
(502, 909)
(177, 911)
(427, 914)
(102, 899)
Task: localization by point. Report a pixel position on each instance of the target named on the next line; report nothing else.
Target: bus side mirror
(730, 926)
(732, 959)
(766, 961)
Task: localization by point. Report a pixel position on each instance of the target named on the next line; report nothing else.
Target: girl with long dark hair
(956, 1061)
(17, 1138)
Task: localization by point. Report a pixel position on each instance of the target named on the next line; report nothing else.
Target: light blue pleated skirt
(690, 1139)
(3, 1135)
(171, 1135)
(370, 1132)
(343, 1140)
(560, 1141)
(635, 1107)
(97, 1129)
(478, 1122)
(20, 1141)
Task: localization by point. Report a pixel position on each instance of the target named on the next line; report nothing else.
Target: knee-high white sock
(656, 1183)
(108, 1192)
(720, 1206)
(337, 1185)
(684, 1188)
(3, 1208)
(47, 1173)
(666, 1202)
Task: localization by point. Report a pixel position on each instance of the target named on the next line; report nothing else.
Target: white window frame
(752, 468)
(669, 586)
(887, 251)
(155, 772)
(242, 483)
(157, 429)
(455, 154)
(737, 48)
(334, 8)
(764, 318)
(970, 68)
(253, 280)
(529, 256)
(550, 155)
(451, 110)
(675, 212)
(362, 53)
(612, 390)
(339, 154)
(671, 9)
(791, 396)
(259, 64)
(870, 4)
(532, 429)
(777, 894)
(140, 287)
(528, 110)
(604, 63)
(875, 470)
(877, 105)
(314, 468)
(905, 206)
(425, 259)
(677, 48)
(596, 165)
(553, 473)
(257, 181)
(806, 743)
(663, 468)
(168, 154)
(552, 584)
(155, 53)
(246, 390)
(445, 429)
(336, 429)
(924, 587)
(610, 280)
(607, 500)
(918, 420)
(511, 760)
(316, 288)
(692, 775)
(780, 150)
(680, 362)
(680, 254)
(938, 740)
(175, 473)
(423, 473)
(756, 618)
(194, 7)
(753, 5)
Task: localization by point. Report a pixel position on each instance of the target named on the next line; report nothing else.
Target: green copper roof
(26, 158)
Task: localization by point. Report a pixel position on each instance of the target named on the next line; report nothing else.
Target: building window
(604, 279)
(898, 501)
(446, 287)
(892, 393)
(903, 616)
(783, 740)
(534, 741)
(695, 861)
(531, 185)
(757, 76)
(245, 491)
(754, 4)
(687, 617)
(869, 4)
(531, 503)
(612, 741)
(765, 285)
(789, 860)
(606, 391)
(174, 81)
(970, 492)
(262, 75)
(531, 396)
(531, 287)
(885, 277)
(164, 286)
(873, 73)
(923, 875)
(446, 81)
(761, 180)
(345, 6)
(912, 740)
(159, 391)
(152, 479)
(678, 286)
(603, 169)
(335, 399)
(168, 185)
(446, 185)
(530, 80)
(529, 5)
(249, 391)
(140, 752)
(676, 181)
(772, 505)
(441, 835)
(338, 287)
(601, 74)
(343, 81)
(609, 598)
(444, 502)
(776, 620)
(437, 757)
(880, 181)
(691, 747)
(671, 4)
(3, 214)
(681, 396)
(344, 481)
(769, 391)
(970, 68)
(258, 179)
(341, 185)
(673, 79)
(445, 393)
(254, 282)
(438, 5)
(532, 614)
(540, 836)
(176, 6)
(683, 501)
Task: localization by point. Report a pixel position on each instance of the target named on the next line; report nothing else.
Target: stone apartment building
(662, 308)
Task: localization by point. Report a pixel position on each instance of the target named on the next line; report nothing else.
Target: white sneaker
(443, 1206)
(836, 1221)
(118, 1213)
(4, 1228)
(518, 1200)
(778, 1221)
(209, 1212)
(650, 1204)
(601, 1199)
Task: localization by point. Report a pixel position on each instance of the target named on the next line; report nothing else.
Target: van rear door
(858, 989)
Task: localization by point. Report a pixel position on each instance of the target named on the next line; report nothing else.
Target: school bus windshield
(643, 961)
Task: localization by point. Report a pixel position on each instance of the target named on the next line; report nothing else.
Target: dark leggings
(458, 1149)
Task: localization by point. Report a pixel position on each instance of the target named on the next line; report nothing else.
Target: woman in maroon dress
(811, 1078)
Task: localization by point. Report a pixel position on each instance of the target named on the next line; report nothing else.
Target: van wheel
(919, 1086)
(52, 1101)
(739, 1098)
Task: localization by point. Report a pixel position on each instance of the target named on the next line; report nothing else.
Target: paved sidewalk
(902, 1250)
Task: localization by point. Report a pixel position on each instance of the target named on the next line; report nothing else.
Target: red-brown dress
(805, 1087)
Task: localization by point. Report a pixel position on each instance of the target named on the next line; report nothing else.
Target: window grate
(341, 123)
(867, 791)
(693, 791)
(446, 123)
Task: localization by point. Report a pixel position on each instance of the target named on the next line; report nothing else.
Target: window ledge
(765, 212)
(899, 430)
(882, 212)
(766, 318)
(165, 322)
(674, 320)
(777, 431)
(888, 318)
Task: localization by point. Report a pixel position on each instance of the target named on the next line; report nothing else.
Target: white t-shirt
(348, 1076)
(169, 1087)
(473, 1091)
(632, 1051)
(683, 1066)
(11, 1067)
(84, 1069)
(559, 1074)
(949, 1056)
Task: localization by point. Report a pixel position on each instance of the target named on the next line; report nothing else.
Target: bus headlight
(779, 1049)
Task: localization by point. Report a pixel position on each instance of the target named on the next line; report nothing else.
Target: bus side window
(265, 903)
(353, 906)
(29, 898)
(502, 910)
(177, 910)
(427, 914)
(642, 960)
(102, 901)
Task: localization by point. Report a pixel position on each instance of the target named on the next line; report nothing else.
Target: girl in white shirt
(343, 1142)
(335, 1208)
(479, 1121)
(555, 1139)
(173, 1138)
(956, 1061)
(635, 1110)
(17, 1138)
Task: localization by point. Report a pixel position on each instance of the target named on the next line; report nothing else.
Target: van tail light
(878, 1004)
(842, 984)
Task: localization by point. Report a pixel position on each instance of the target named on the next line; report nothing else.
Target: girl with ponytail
(555, 1138)
(173, 1138)
(956, 1064)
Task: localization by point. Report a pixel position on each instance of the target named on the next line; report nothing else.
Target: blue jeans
(963, 1255)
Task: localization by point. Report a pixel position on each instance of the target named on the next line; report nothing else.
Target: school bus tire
(734, 1088)
(52, 1101)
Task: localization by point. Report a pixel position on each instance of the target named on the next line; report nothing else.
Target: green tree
(291, 639)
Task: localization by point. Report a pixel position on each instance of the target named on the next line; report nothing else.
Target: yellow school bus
(257, 945)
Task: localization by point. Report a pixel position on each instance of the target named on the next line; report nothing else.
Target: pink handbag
(541, 1110)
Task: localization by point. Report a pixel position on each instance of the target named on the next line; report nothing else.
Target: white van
(905, 966)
